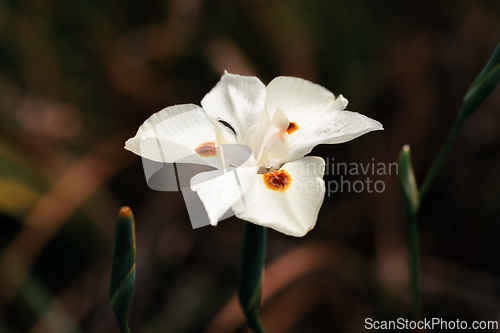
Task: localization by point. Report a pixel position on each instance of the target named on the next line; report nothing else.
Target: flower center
(206, 149)
(278, 180)
(292, 127)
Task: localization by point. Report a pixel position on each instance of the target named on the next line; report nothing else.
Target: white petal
(293, 211)
(334, 127)
(256, 134)
(221, 189)
(237, 100)
(273, 141)
(301, 100)
(223, 133)
(236, 155)
(277, 155)
(173, 135)
(277, 128)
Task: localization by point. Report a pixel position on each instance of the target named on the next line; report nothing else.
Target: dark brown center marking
(206, 149)
(278, 180)
(292, 127)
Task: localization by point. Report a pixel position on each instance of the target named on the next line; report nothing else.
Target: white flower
(261, 134)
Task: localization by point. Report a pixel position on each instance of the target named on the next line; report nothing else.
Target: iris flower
(256, 137)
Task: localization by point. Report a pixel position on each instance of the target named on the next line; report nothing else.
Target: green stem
(253, 256)
(414, 266)
(123, 267)
(443, 154)
(484, 84)
(413, 212)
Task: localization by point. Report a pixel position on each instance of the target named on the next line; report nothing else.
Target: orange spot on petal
(292, 127)
(278, 180)
(206, 149)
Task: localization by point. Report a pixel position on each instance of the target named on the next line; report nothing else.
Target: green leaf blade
(123, 267)
(407, 181)
(252, 266)
(482, 86)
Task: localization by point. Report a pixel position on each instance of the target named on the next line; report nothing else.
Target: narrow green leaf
(410, 193)
(492, 62)
(253, 257)
(482, 86)
(123, 270)
(407, 181)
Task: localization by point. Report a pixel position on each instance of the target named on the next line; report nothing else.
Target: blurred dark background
(77, 78)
